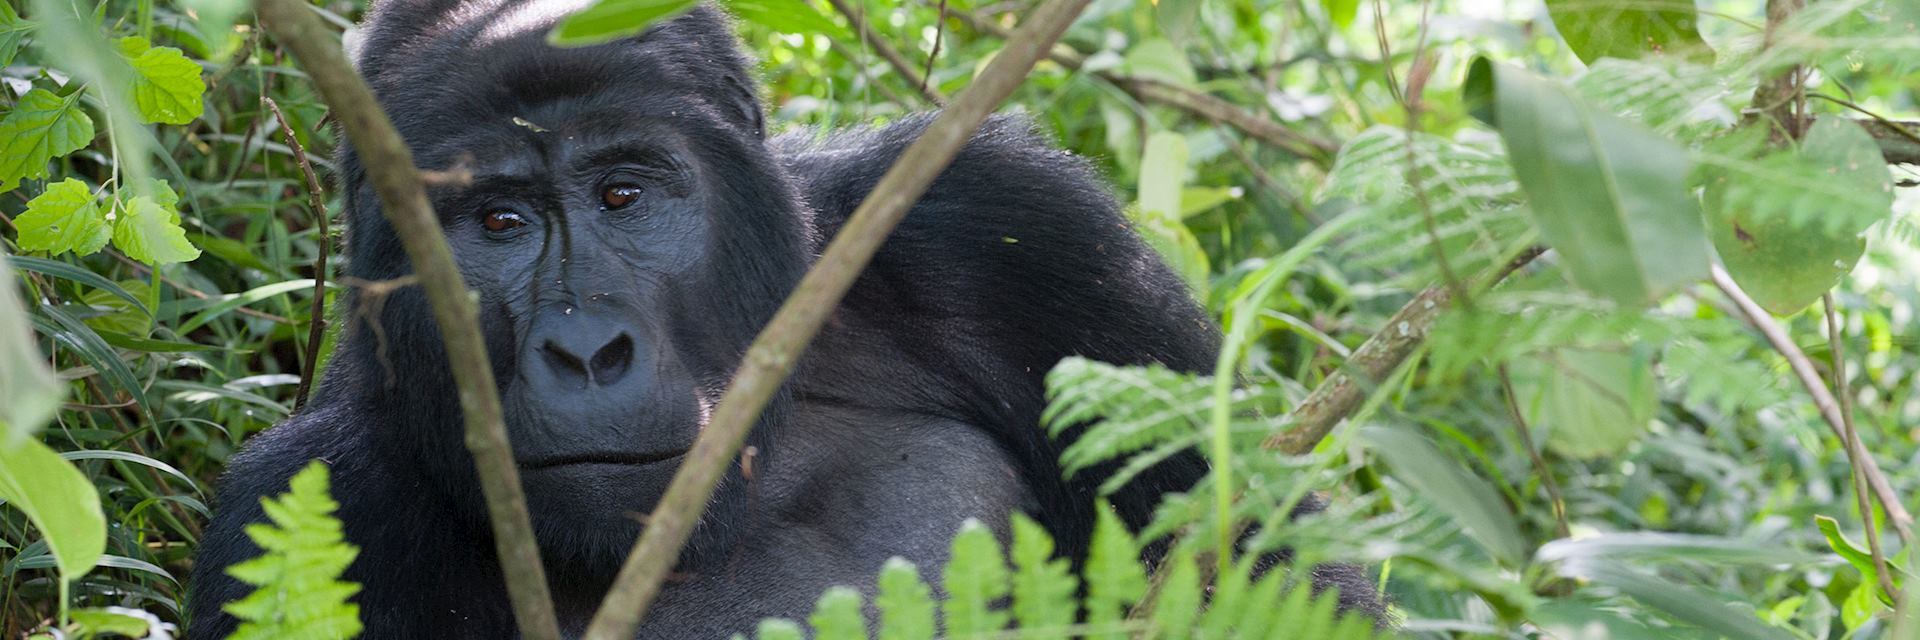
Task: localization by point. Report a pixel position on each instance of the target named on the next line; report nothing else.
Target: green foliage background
(1669, 476)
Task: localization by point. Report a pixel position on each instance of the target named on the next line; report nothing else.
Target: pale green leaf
(1180, 600)
(59, 500)
(298, 591)
(1597, 29)
(65, 217)
(41, 127)
(150, 232)
(609, 20)
(837, 616)
(1115, 578)
(29, 392)
(776, 629)
(1160, 60)
(1592, 403)
(167, 87)
(905, 602)
(976, 577)
(1469, 500)
(13, 32)
(1608, 195)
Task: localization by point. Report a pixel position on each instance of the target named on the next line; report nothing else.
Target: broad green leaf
(1608, 195)
(65, 217)
(1686, 604)
(150, 232)
(1788, 225)
(776, 629)
(1160, 60)
(609, 20)
(1469, 500)
(837, 616)
(1860, 558)
(1597, 29)
(119, 315)
(167, 87)
(106, 623)
(1175, 18)
(905, 602)
(59, 500)
(1592, 403)
(41, 127)
(1341, 12)
(1043, 585)
(976, 578)
(29, 392)
(13, 31)
(1115, 579)
(787, 16)
(1163, 174)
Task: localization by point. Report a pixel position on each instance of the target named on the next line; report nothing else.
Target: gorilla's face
(627, 233)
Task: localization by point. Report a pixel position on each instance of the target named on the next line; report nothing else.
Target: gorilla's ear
(712, 28)
(746, 102)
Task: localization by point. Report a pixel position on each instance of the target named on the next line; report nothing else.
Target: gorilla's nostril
(563, 362)
(612, 361)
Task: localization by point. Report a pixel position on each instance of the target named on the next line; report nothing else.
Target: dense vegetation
(1591, 320)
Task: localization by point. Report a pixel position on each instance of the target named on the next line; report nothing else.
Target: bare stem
(774, 352)
(403, 199)
(1823, 398)
(1533, 453)
(317, 203)
(888, 53)
(1855, 450)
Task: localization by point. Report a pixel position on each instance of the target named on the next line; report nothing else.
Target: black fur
(915, 409)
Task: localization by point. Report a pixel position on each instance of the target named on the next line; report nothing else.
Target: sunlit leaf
(1043, 585)
(837, 616)
(66, 217)
(150, 232)
(166, 85)
(1597, 29)
(905, 602)
(29, 393)
(42, 126)
(609, 20)
(59, 500)
(976, 579)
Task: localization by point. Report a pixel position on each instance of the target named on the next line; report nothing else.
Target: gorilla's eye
(499, 220)
(616, 196)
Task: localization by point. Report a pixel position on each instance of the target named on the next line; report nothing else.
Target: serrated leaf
(905, 602)
(1610, 196)
(1597, 29)
(42, 126)
(836, 616)
(976, 577)
(1788, 225)
(29, 392)
(609, 20)
(1115, 579)
(64, 218)
(1043, 585)
(167, 87)
(59, 500)
(1592, 403)
(151, 233)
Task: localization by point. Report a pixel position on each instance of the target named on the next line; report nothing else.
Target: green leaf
(787, 16)
(29, 392)
(1861, 559)
(1608, 195)
(13, 32)
(1043, 585)
(1597, 29)
(609, 20)
(976, 577)
(119, 316)
(167, 87)
(298, 591)
(1163, 173)
(905, 602)
(1115, 579)
(1788, 225)
(1592, 403)
(41, 127)
(1180, 601)
(1160, 60)
(837, 616)
(1341, 12)
(776, 629)
(100, 622)
(60, 501)
(1474, 505)
(150, 232)
(1688, 605)
(64, 218)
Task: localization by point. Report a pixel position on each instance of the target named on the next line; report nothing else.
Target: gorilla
(628, 229)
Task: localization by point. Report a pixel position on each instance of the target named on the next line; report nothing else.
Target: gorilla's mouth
(610, 457)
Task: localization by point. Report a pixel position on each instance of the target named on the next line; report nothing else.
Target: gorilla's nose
(587, 355)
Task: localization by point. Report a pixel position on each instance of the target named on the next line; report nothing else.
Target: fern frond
(1467, 200)
(976, 579)
(1043, 585)
(905, 602)
(1136, 408)
(1671, 96)
(297, 588)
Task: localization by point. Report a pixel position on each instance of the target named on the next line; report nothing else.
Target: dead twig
(317, 204)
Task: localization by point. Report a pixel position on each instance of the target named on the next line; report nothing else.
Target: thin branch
(888, 53)
(778, 347)
(1823, 398)
(1525, 432)
(1206, 106)
(403, 199)
(1341, 394)
(317, 202)
(939, 33)
(1855, 450)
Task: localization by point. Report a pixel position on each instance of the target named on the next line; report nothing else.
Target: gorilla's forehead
(567, 136)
